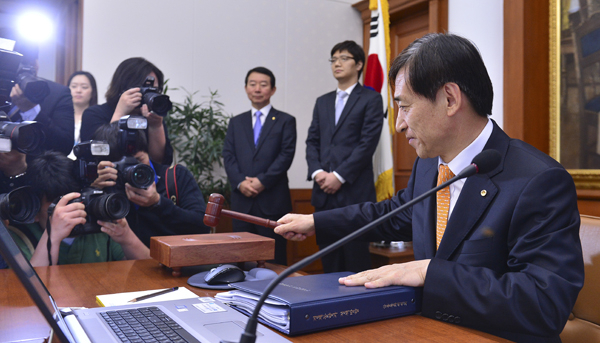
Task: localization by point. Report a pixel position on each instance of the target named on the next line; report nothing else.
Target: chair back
(584, 322)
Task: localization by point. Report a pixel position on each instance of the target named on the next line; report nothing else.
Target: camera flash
(100, 149)
(5, 144)
(136, 122)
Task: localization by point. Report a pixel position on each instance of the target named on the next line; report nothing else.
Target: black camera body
(99, 205)
(151, 96)
(137, 174)
(89, 154)
(26, 137)
(12, 72)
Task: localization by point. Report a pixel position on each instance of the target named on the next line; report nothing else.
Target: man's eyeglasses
(342, 58)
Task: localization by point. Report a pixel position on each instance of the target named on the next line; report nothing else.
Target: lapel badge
(273, 118)
(483, 193)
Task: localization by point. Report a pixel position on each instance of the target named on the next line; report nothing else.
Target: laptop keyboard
(147, 325)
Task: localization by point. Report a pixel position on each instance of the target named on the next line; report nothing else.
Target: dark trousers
(280, 242)
(354, 256)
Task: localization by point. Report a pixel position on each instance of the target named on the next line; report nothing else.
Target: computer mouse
(225, 273)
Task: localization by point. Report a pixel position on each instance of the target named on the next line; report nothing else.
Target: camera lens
(29, 138)
(158, 103)
(20, 205)
(26, 137)
(34, 88)
(109, 207)
(139, 176)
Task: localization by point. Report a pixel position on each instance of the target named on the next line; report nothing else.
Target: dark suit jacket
(57, 119)
(510, 260)
(346, 148)
(269, 161)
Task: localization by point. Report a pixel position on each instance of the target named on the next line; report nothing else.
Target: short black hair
(51, 175)
(131, 73)
(92, 80)
(261, 70)
(110, 134)
(438, 58)
(357, 52)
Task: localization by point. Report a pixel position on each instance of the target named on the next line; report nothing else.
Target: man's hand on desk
(402, 274)
(296, 227)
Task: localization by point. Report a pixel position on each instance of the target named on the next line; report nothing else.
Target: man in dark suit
(502, 254)
(341, 140)
(258, 150)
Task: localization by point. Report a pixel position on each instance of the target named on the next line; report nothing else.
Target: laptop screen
(32, 283)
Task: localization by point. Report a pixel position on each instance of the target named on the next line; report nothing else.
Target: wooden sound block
(193, 250)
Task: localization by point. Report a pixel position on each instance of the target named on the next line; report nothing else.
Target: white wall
(202, 45)
(483, 23)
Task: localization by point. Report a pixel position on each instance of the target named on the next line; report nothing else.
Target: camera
(130, 170)
(89, 154)
(12, 72)
(20, 205)
(99, 205)
(26, 137)
(151, 96)
(136, 174)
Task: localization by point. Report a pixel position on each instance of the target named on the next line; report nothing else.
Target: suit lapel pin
(273, 118)
(483, 193)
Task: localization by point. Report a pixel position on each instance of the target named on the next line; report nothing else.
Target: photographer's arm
(129, 100)
(63, 220)
(121, 233)
(157, 136)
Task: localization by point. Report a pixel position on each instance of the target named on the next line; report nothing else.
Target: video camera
(151, 96)
(12, 72)
(130, 171)
(20, 205)
(26, 137)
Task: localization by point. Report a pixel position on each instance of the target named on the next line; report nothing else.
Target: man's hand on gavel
(296, 227)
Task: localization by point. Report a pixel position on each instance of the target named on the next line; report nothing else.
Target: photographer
(123, 98)
(55, 112)
(154, 212)
(51, 178)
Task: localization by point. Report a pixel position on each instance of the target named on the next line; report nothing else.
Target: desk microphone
(483, 163)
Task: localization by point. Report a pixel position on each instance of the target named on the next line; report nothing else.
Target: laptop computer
(188, 320)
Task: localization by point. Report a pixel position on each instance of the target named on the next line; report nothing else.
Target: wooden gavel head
(213, 209)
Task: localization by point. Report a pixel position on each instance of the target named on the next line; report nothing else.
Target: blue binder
(319, 302)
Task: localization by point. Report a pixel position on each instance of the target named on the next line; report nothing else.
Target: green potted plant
(197, 132)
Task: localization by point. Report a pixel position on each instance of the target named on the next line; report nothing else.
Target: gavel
(214, 211)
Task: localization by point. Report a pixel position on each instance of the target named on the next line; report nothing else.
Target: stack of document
(273, 312)
(310, 303)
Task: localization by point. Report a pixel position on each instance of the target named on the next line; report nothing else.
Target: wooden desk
(78, 285)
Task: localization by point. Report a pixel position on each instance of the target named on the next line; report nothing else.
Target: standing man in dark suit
(499, 252)
(341, 141)
(258, 151)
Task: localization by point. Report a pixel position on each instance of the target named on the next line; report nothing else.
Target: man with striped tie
(258, 151)
(499, 251)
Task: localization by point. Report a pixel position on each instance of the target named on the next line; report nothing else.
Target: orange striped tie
(443, 202)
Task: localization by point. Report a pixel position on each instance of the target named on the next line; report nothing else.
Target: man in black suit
(499, 251)
(258, 150)
(341, 140)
